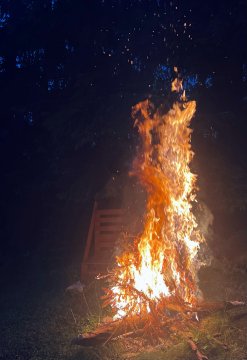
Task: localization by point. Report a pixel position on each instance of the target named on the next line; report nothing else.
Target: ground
(39, 319)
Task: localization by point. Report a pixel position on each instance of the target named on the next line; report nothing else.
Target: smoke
(205, 219)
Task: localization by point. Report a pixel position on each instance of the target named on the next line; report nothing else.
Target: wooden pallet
(105, 227)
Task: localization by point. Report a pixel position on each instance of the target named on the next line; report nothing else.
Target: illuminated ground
(38, 320)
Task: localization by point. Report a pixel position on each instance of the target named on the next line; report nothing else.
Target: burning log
(109, 330)
(219, 305)
(98, 336)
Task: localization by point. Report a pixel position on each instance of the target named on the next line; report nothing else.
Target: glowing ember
(162, 264)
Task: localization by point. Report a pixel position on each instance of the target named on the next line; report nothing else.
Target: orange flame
(163, 262)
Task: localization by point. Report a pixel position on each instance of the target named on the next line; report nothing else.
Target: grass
(38, 319)
(222, 336)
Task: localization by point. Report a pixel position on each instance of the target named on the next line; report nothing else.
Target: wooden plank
(109, 219)
(97, 262)
(105, 227)
(104, 250)
(98, 266)
(104, 239)
(108, 222)
(110, 212)
(108, 228)
(104, 245)
(90, 232)
(105, 234)
(89, 240)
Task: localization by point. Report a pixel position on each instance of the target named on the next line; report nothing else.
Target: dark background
(70, 72)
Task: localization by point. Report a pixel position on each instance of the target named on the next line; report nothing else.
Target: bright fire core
(162, 264)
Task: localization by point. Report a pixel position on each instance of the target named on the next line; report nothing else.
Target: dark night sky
(70, 72)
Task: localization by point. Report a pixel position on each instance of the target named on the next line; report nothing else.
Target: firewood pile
(155, 329)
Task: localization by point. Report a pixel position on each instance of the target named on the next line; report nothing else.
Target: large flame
(162, 263)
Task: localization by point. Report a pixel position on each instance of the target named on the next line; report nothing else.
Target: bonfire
(153, 288)
(161, 266)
